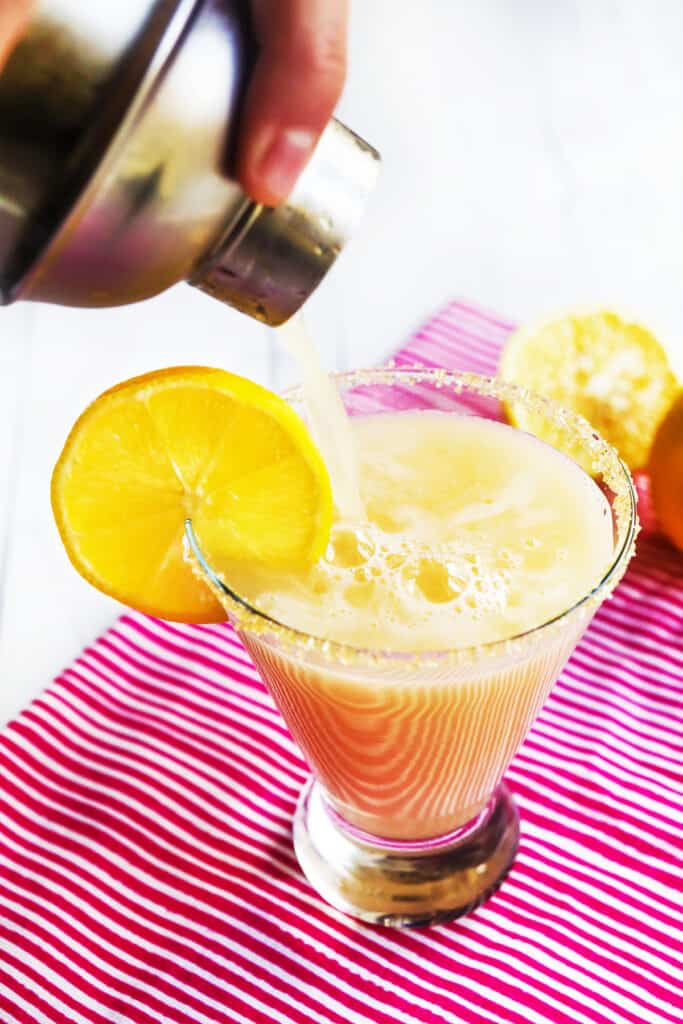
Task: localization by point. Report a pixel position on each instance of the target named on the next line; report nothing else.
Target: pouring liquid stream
(327, 419)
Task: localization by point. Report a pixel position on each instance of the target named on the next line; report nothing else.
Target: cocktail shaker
(118, 123)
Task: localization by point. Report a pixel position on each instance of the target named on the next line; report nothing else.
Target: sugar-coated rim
(606, 463)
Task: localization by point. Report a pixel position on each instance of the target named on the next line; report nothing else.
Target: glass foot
(405, 884)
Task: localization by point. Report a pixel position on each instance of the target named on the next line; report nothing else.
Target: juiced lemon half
(187, 441)
(612, 372)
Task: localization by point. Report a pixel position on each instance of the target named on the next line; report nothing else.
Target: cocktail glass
(405, 820)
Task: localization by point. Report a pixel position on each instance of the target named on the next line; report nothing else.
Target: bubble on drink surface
(349, 547)
(434, 582)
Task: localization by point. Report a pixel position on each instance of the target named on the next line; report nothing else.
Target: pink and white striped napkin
(146, 867)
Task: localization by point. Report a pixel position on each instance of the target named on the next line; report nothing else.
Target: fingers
(294, 88)
(14, 17)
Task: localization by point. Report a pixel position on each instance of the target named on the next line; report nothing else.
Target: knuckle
(323, 61)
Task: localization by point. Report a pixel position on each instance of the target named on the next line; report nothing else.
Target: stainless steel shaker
(117, 125)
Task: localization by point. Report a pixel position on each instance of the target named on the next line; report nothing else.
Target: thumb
(297, 81)
(14, 18)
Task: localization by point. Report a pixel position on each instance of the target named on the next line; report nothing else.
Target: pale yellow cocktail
(411, 660)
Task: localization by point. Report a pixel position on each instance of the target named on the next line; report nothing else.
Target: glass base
(400, 884)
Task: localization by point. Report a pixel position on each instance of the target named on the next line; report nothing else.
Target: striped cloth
(146, 867)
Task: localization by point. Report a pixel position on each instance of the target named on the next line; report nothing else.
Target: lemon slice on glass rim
(183, 442)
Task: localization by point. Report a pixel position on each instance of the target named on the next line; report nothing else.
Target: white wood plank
(15, 338)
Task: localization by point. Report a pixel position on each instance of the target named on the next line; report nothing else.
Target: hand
(294, 88)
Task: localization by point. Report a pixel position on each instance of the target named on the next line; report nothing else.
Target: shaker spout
(271, 259)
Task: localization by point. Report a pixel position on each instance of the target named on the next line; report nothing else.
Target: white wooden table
(533, 161)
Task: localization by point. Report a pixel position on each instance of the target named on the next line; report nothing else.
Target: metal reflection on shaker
(116, 131)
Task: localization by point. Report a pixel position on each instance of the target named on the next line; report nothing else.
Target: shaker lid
(271, 259)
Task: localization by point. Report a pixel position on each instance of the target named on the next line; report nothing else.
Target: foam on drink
(473, 532)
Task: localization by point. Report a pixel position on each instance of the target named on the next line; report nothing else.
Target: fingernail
(284, 160)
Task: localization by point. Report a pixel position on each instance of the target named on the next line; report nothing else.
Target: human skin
(295, 85)
(14, 16)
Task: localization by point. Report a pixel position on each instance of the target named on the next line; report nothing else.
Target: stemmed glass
(405, 819)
